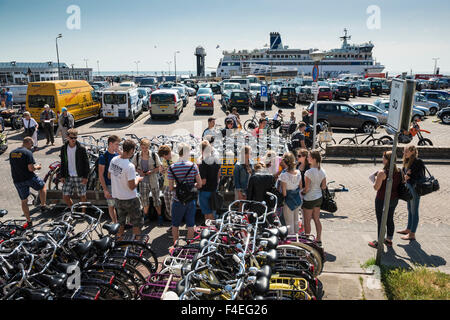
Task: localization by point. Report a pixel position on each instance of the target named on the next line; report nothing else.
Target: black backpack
(183, 190)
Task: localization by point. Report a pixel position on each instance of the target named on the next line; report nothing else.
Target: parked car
(144, 95)
(385, 88)
(383, 104)
(204, 103)
(363, 89)
(343, 115)
(230, 86)
(183, 94)
(352, 88)
(205, 91)
(375, 87)
(148, 82)
(190, 91)
(441, 98)
(254, 89)
(121, 103)
(166, 103)
(340, 91)
(127, 84)
(444, 115)
(286, 97)
(421, 101)
(257, 103)
(304, 94)
(325, 94)
(372, 110)
(239, 99)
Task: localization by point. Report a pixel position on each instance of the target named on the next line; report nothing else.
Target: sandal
(388, 243)
(373, 244)
(407, 238)
(403, 232)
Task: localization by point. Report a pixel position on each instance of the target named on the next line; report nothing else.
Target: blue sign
(263, 91)
(315, 72)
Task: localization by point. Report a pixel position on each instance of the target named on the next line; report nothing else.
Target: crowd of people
(130, 179)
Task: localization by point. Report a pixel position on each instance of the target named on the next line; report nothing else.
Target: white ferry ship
(280, 60)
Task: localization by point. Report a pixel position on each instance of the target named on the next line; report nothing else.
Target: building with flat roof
(23, 72)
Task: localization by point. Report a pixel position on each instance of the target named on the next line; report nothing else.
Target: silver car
(372, 110)
(384, 104)
(422, 101)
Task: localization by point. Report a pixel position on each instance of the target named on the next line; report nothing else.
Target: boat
(276, 59)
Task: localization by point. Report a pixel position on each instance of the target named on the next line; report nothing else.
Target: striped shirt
(180, 169)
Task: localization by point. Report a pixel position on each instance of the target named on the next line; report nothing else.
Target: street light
(137, 67)
(86, 60)
(57, 55)
(175, 62)
(98, 67)
(317, 56)
(435, 64)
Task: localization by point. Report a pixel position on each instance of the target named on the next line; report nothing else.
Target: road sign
(400, 106)
(315, 72)
(315, 88)
(264, 97)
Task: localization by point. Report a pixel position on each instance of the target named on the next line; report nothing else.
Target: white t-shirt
(71, 161)
(29, 124)
(292, 180)
(122, 171)
(315, 191)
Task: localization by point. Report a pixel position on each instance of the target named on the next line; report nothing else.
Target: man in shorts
(74, 168)
(22, 171)
(103, 165)
(124, 184)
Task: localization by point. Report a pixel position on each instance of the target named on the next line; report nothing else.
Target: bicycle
(369, 137)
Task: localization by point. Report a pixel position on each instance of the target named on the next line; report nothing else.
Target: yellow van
(76, 95)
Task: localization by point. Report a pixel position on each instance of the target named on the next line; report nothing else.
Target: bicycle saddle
(262, 285)
(3, 213)
(272, 242)
(283, 232)
(83, 248)
(54, 281)
(206, 233)
(36, 294)
(64, 267)
(265, 271)
(103, 244)
(112, 228)
(272, 255)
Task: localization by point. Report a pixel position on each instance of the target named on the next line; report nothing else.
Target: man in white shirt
(124, 182)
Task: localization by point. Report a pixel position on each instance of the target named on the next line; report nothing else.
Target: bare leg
(307, 213)
(120, 232)
(68, 201)
(112, 214)
(175, 233)
(190, 233)
(25, 209)
(43, 195)
(316, 217)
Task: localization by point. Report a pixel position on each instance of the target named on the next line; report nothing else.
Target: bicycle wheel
(323, 145)
(143, 266)
(314, 257)
(140, 249)
(348, 141)
(374, 142)
(113, 279)
(386, 140)
(425, 142)
(250, 125)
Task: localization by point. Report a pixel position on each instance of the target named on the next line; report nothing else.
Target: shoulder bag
(427, 184)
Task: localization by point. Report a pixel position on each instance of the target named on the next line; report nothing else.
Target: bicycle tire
(386, 140)
(145, 267)
(118, 282)
(316, 258)
(348, 141)
(121, 273)
(108, 291)
(247, 123)
(137, 247)
(374, 142)
(425, 142)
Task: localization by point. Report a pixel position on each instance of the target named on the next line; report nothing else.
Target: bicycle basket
(325, 136)
(157, 284)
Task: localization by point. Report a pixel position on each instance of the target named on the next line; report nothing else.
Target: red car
(325, 94)
(204, 102)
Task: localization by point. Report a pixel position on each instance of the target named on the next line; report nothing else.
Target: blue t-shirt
(105, 160)
(9, 96)
(19, 160)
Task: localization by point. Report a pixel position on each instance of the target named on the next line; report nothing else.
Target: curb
(377, 160)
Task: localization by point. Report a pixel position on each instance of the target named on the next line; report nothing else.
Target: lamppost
(86, 60)
(137, 67)
(435, 64)
(73, 72)
(175, 64)
(57, 55)
(317, 56)
(98, 67)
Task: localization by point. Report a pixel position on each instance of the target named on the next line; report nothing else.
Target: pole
(175, 66)
(57, 56)
(387, 201)
(315, 120)
(98, 67)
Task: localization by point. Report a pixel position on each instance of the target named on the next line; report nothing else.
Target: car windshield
(142, 91)
(162, 98)
(204, 99)
(41, 101)
(147, 81)
(286, 91)
(255, 87)
(112, 98)
(239, 95)
(230, 86)
(324, 89)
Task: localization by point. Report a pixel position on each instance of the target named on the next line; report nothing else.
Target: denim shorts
(204, 199)
(23, 188)
(180, 210)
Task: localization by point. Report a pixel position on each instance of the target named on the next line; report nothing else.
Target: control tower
(200, 53)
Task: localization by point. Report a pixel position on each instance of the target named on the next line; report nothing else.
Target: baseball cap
(63, 109)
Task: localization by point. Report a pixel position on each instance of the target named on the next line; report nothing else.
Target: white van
(121, 103)
(244, 82)
(19, 93)
(166, 103)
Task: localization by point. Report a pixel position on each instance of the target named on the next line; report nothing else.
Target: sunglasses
(73, 138)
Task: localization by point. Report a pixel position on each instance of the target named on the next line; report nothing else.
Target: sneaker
(44, 208)
(373, 244)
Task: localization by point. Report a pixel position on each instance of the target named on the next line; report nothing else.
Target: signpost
(315, 72)
(400, 110)
(264, 96)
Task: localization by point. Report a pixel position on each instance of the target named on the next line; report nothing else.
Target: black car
(286, 97)
(444, 115)
(343, 115)
(353, 89)
(376, 87)
(340, 91)
(239, 99)
(257, 103)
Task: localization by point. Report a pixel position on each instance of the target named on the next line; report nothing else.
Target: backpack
(183, 191)
(153, 157)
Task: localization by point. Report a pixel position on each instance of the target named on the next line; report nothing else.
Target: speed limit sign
(396, 104)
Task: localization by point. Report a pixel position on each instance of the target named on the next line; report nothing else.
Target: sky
(407, 34)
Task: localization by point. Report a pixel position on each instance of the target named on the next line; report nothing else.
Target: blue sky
(119, 32)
